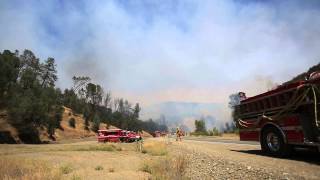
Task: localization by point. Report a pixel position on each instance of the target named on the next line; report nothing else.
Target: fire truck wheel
(274, 144)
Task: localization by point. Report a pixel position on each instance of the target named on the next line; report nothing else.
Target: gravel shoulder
(209, 160)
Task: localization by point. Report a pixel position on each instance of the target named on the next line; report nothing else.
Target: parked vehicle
(117, 135)
(159, 134)
(132, 136)
(110, 135)
(282, 118)
(156, 134)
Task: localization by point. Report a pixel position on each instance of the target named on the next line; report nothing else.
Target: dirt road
(231, 159)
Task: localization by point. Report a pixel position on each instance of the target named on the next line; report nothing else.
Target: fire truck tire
(273, 143)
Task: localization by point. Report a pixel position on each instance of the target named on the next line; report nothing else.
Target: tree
(150, 126)
(71, 100)
(227, 127)
(80, 82)
(79, 85)
(127, 108)
(136, 111)
(48, 73)
(29, 61)
(94, 94)
(86, 116)
(121, 106)
(116, 105)
(200, 125)
(107, 100)
(234, 101)
(215, 132)
(96, 123)
(27, 91)
(9, 71)
(162, 120)
(30, 105)
(29, 70)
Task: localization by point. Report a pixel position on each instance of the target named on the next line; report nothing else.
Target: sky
(154, 51)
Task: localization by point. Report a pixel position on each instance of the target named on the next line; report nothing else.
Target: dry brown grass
(91, 146)
(78, 160)
(14, 168)
(66, 169)
(155, 148)
(170, 167)
(98, 147)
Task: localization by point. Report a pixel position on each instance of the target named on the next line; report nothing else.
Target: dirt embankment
(10, 135)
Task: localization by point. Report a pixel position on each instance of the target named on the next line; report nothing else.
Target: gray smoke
(157, 51)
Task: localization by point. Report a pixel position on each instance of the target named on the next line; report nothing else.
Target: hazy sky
(164, 50)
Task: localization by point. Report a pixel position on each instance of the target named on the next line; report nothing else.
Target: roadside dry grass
(81, 160)
(155, 148)
(80, 146)
(92, 160)
(14, 168)
(167, 167)
(163, 165)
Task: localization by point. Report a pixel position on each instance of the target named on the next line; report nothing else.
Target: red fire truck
(117, 135)
(110, 135)
(282, 118)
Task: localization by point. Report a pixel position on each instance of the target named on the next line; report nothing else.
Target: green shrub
(236, 131)
(216, 132)
(75, 177)
(98, 168)
(200, 133)
(146, 168)
(111, 169)
(66, 169)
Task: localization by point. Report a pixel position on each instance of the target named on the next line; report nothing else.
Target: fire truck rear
(282, 118)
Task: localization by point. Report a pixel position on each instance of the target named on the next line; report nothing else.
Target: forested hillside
(31, 102)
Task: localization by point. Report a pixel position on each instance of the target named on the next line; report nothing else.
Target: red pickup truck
(117, 135)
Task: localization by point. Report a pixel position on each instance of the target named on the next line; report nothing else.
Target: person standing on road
(178, 134)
